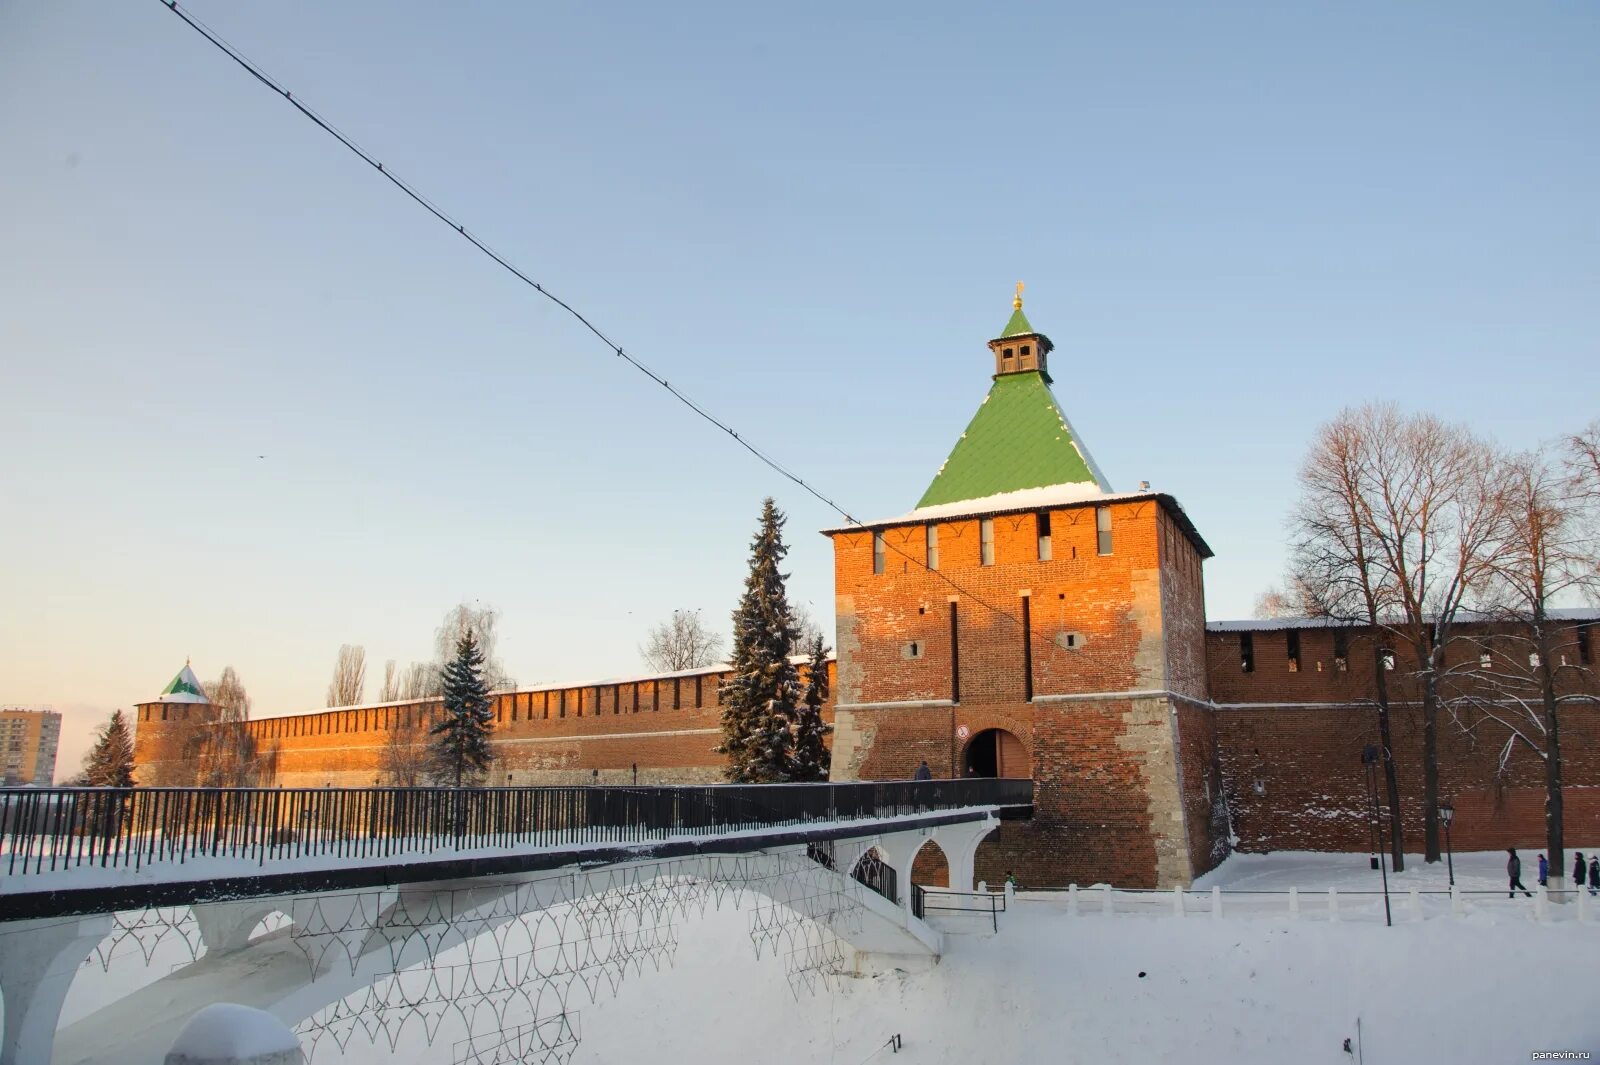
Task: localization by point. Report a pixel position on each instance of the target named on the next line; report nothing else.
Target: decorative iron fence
(1403, 904)
(47, 829)
(877, 875)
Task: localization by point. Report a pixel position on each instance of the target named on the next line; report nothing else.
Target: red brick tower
(1026, 621)
(169, 730)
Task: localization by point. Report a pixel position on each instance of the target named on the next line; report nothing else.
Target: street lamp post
(1369, 759)
(1447, 813)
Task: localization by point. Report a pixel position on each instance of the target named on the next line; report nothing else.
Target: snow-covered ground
(1052, 986)
(1316, 871)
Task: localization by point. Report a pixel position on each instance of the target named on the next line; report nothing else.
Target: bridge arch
(279, 918)
(931, 866)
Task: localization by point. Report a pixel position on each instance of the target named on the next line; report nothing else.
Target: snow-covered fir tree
(461, 752)
(109, 763)
(811, 758)
(761, 697)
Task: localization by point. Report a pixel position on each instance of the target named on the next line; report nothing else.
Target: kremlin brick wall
(1156, 743)
(1272, 757)
(1290, 739)
(666, 725)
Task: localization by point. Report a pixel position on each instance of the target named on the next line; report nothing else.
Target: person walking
(923, 772)
(1594, 876)
(1544, 871)
(1514, 872)
(1580, 869)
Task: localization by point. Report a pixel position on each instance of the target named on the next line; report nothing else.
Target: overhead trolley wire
(461, 230)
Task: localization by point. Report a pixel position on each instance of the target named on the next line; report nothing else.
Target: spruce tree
(109, 764)
(762, 695)
(811, 758)
(461, 752)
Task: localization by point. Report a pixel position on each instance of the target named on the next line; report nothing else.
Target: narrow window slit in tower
(955, 657)
(1027, 650)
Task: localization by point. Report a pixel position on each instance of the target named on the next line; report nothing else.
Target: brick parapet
(667, 725)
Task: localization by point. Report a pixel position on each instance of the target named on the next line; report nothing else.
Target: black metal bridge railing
(49, 829)
(992, 903)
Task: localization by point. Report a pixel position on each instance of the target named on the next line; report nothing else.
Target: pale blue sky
(1232, 219)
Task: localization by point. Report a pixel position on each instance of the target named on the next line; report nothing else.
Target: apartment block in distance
(28, 741)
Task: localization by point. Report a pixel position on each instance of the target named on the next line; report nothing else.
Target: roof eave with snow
(1465, 617)
(1080, 493)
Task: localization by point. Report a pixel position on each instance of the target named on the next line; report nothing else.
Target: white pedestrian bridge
(391, 909)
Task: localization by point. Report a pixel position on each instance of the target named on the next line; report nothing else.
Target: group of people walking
(1583, 874)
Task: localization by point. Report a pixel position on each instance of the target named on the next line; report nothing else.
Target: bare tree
(681, 642)
(1275, 603)
(1547, 552)
(1434, 511)
(421, 680)
(226, 755)
(349, 684)
(403, 760)
(1333, 562)
(390, 691)
(481, 622)
(1582, 462)
(807, 625)
(1296, 598)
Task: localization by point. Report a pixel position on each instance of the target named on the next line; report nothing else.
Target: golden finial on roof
(1016, 304)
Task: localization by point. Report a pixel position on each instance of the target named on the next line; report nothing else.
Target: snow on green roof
(1018, 439)
(185, 688)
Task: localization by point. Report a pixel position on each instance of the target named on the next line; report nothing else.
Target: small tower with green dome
(1019, 348)
(168, 731)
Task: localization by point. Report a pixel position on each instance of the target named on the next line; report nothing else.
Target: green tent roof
(1018, 324)
(1018, 439)
(184, 688)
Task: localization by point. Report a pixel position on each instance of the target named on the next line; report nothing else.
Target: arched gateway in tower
(1028, 620)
